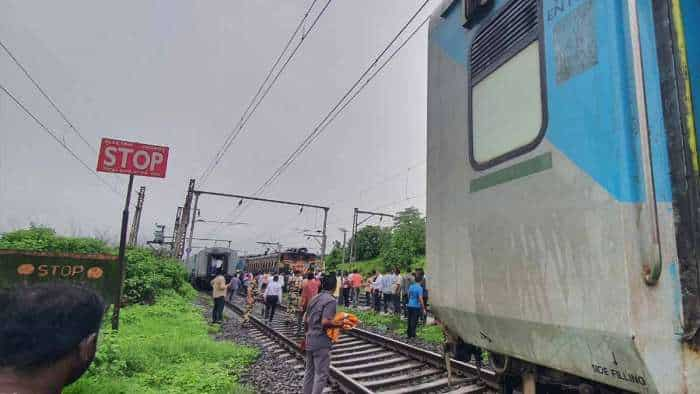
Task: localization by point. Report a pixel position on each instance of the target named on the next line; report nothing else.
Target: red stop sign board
(126, 157)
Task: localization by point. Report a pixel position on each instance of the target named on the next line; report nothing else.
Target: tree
(370, 240)
(407, 239)
(335, 257)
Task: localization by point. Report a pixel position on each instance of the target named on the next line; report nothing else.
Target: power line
(46, 96)
(257, 99)
(342, 103)
(60, 142)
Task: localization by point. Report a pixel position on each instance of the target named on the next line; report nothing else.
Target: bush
(44, 239)
(164, 348)
(148, 276)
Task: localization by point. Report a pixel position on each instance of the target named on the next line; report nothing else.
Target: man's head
(328, 282)
(49, 327)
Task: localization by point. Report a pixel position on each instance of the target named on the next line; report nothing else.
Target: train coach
(292, 259)
(562, 190)
(203, 265)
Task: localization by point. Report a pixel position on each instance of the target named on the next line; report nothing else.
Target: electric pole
(134, 234)
(345, 234)
(179, 241)
(356, 224)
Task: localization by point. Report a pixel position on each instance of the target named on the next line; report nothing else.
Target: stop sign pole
(133, 158)
(122, 251)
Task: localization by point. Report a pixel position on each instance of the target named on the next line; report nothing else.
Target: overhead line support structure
(242, 197)
(134, 234)
(355, 225)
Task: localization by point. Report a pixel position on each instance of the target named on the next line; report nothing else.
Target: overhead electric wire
(257, 99)
(46, 96)
(55, 137)
(343, 103)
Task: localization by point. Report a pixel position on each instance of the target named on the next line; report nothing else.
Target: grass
(391, 323)
(164, 348)
(367, 266)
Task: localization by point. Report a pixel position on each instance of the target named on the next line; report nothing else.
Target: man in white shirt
(273, 295)
(377, 292)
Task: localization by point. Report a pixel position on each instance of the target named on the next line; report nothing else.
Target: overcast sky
(180, 73)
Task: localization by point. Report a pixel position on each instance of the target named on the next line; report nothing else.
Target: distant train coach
(293, 259)
(563, 190)
(203, 265)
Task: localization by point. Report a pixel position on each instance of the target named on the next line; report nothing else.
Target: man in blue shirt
(415, 305)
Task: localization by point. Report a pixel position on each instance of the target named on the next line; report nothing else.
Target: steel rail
(487, 377)
(345, 382)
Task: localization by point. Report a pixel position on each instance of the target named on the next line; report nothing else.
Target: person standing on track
(273, 295)
(356, 282)
(346, 289)
(294, 286)
(377, 292)
(406, 280)
(388, 289)
(250, 300)
(368, 288)
(415, 306)
(319, 316)
(218, 293)
(233, 286)
(308, 291)
(396, 287)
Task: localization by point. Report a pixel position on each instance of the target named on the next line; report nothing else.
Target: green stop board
(97, 271)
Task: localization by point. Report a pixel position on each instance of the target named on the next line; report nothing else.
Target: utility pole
(134, 234)
(194, 220)
(179, 241)
(356, 224)
(345, 234)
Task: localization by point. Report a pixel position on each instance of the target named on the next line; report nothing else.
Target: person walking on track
(319, 316)
(233, 286)
(415, 306)
(294, 286)
(218, 293)
(273, 295)
(250, 300)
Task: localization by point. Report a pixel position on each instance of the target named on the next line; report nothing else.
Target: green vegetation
(164, 348)
(402, 245)
(164, 344)
(394, 324)
(368, 266)
(42, 239)
(146, 274)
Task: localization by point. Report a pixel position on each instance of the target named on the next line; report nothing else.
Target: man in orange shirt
(356, 282)
(308, 290)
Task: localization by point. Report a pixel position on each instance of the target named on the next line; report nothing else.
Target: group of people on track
(312, 301)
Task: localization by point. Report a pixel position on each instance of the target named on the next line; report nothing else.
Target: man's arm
(328, 315)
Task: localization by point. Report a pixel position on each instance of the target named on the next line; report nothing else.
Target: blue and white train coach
(563, 212)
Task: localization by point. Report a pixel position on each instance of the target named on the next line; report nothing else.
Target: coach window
(507, 94)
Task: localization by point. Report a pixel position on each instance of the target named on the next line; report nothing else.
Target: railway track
(365, 362)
